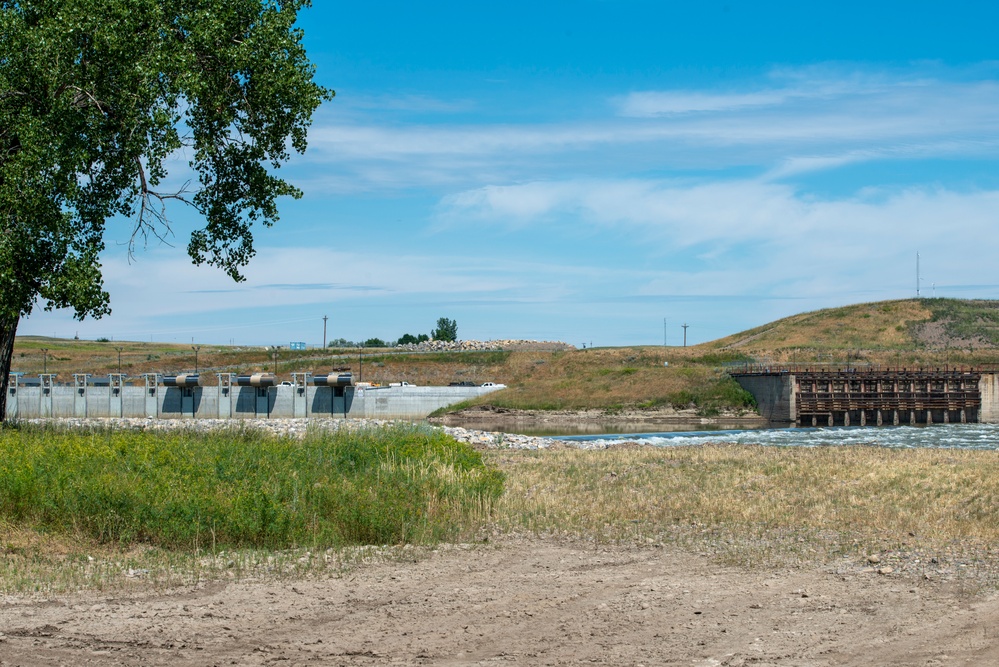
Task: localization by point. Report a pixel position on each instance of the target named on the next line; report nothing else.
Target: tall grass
(754, 503)
(240, 488)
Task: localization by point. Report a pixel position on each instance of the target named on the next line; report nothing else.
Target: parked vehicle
(493, 384)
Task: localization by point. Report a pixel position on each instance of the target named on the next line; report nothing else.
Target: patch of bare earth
(523, 601)
(934, 336)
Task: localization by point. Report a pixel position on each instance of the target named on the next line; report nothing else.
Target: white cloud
(755, 212)
(651, 104)
(797, 119)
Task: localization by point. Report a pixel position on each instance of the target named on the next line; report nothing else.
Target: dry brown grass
(755, 504)
(66, 357)
(864, 326)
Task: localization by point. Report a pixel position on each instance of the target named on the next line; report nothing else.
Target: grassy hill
(912, 333)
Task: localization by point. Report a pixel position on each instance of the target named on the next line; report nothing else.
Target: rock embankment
(486, 345)
(299, 427)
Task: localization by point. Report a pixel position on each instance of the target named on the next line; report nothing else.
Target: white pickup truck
(401, 384)
(493, 384)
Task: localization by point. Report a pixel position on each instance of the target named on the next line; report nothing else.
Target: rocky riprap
(299, 427)
(486, 345)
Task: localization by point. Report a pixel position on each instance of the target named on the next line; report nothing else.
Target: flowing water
(956, 436)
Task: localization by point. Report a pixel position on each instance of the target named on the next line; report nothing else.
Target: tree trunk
(8, 329)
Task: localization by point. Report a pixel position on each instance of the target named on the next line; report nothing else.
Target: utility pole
(119, 359)
(917, 275)
(664, 332)
(196, 348)
(324, 331)
(685, 334)
(45, 360)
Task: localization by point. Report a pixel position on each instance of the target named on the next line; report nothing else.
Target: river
(941, 436)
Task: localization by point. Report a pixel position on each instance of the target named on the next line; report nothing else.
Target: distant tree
(375, 342)
(99, 98)
(342, 342)
(410, 339)
(446, 330)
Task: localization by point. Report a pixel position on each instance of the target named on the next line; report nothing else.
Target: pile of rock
(484, 345)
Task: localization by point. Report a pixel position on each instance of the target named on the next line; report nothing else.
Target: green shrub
(239, 487)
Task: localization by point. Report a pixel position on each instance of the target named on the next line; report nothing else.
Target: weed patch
(239, 488)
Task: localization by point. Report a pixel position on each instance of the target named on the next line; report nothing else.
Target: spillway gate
(861, 397)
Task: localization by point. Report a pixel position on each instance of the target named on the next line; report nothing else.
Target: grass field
(753, 504)
(191, 492)
(90, 511)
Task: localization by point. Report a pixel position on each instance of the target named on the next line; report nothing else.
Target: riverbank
(491, 418)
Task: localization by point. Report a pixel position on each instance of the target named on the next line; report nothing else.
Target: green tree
(97, 96)
(446, 330)
(407, 339)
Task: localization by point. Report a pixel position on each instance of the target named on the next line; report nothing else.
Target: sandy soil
(533, 602)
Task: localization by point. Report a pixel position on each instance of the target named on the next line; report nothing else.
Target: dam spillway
(256, 396)
(869, 397)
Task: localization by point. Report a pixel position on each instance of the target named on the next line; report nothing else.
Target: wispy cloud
(754, 214)
(652, 104)
(793, 121)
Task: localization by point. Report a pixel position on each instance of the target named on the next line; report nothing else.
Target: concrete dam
(869, 397)
(260, 397)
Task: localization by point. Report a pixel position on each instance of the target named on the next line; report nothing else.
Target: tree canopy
(447, 330)
(99, 97)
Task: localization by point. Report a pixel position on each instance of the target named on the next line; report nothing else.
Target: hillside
(911, 332)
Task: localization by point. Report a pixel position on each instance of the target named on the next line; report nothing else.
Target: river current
(941, 436)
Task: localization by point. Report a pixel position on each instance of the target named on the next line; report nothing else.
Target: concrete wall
(989, 388)
(774, 394)
(237, 403)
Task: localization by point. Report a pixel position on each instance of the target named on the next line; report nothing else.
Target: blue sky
(583, 171)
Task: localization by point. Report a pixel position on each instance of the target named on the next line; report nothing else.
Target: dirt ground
(521, 601)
